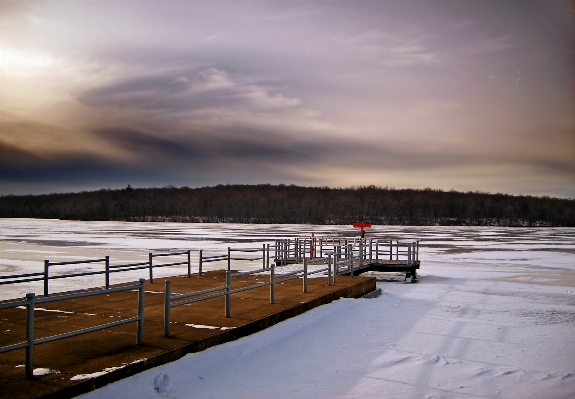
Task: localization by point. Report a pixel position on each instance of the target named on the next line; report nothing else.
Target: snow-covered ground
(492, 316)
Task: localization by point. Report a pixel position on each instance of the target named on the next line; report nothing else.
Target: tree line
(294, 204)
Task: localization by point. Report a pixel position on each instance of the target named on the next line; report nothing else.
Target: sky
(463, 95)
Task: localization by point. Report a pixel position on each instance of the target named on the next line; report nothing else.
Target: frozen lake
(542, 254)
(492, 316)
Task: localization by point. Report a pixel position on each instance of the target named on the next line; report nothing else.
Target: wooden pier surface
(114, 353)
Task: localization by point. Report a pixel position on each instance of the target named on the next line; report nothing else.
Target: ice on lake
(492, 316)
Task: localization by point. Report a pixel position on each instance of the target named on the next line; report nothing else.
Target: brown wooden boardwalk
(115, 349)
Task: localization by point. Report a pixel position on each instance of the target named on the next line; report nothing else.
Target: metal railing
(107, 270)
(174, 300)
(47, 265)
(21, 278)
(239, 254)
(151, 265)
(371, 251)
(171, 301)
(296, 250)
(388, 250)
(31, 301)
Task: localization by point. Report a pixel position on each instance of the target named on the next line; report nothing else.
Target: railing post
(377, 251)
(30, 335)
(329, 270)
(273, 283)
(150, 256)
(267, 255)
(107, 272)
(189, 264)
(228, 293)
(46, 266)
(140, 340)
(305, 275)
(264, 256)
(297, 250)
(391, 250)
(417, 251)
(350, 258)
(409, 254)
(336, 254)
(167, 307)
(397, 250)
(370, 250)
(312, 246)
(360, 263)
(229, 260)
(321, 247)
(200, 263)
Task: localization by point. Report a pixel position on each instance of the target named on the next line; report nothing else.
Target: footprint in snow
(161, 384)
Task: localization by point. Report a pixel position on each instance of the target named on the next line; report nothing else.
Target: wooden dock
(351, 257)
(80, 364)
(61, 345)
(385, 266)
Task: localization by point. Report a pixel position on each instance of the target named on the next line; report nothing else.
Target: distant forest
(293, 204)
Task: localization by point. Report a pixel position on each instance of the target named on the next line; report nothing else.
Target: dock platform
(385, 266)
(83, 363)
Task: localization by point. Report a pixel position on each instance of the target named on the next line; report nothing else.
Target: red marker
(362, 226)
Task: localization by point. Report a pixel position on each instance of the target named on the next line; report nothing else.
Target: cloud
(394, 50)
(208, 93)
(181, 90)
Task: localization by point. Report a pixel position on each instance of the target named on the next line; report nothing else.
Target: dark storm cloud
(18, 167)
(405, 93)
(148, 145)
(142, 91)
(168, 91)
(197, 147)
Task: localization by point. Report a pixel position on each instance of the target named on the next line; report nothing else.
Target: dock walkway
(80, 364)
(384, 266)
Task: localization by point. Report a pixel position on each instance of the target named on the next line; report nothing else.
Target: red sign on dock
(362, 226)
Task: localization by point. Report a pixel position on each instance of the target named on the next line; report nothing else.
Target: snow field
(492, 316)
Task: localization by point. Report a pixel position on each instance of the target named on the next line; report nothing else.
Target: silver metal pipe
(30, 335)
(150, 256)
(360, 263)
(350, 258)
(141, 293)
(167, 307)
(272, 283)
(229, 260)
(46, 267)
(189, 264)
(305, 275)
(228, 294)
